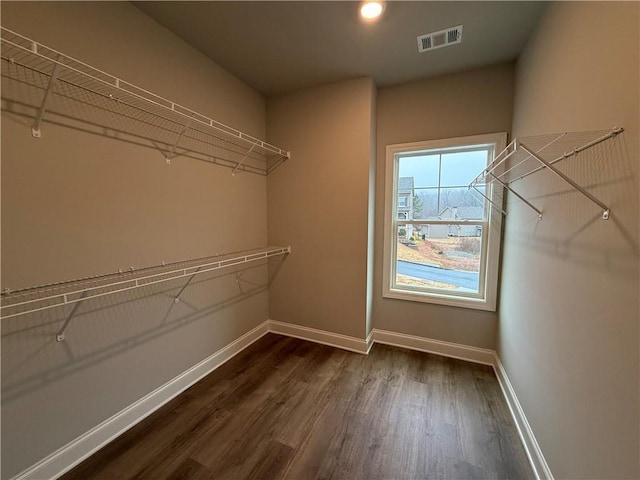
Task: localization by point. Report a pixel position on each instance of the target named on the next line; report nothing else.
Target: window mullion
(439, 181)
(443, 222)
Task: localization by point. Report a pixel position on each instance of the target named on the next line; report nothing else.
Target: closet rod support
(35, 129)
(605, 214)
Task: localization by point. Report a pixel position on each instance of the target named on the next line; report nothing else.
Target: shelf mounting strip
(504, 167)
(72, 82)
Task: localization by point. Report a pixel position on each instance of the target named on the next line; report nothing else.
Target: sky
(458, 169)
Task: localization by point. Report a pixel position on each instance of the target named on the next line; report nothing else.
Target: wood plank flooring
(289, 409)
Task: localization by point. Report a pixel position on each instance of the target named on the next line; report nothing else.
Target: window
(442, 239)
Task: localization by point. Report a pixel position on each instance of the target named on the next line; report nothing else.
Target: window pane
(425, 204)
(459, 169)
(461, 204)
(440, 256)
(406, 234)
(424, 169)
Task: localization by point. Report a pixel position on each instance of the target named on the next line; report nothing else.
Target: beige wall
(469, 103)
(568, 333)
(319, 204)
(77, 204)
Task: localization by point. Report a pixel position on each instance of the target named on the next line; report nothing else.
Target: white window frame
(486, 299)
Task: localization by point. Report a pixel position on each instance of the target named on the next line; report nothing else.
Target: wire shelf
(525, 156)
(50, 86)
(43, 297)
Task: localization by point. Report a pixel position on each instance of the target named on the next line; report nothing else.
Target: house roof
(405, 184)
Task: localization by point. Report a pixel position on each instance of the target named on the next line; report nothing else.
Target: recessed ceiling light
(372, 9)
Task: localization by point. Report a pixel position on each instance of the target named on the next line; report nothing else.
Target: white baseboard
(75, 452)
(531, 447)
(337, 340)
(82, 447)
(446, 349)
(369, 341)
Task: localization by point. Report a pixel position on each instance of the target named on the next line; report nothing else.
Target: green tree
(417, 206)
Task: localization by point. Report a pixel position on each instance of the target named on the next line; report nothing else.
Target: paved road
(452, 277)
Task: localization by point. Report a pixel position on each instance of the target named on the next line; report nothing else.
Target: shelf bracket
(172, 151)
(277, 268)
(60, 335)
(176, 299)
(493, 204)
(539, 212)
(605, 213)
(243, 159)
(35, 129)
(239, 279)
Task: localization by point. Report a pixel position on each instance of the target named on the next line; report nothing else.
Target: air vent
(442, 38)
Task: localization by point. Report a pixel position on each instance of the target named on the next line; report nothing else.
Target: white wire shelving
(49, 86)
(44, 297)
(528, 155)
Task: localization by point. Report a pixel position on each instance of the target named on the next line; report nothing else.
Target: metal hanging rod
(20, 50)
(31, 300)
(518, 153)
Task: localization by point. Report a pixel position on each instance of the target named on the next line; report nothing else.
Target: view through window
(441, 228)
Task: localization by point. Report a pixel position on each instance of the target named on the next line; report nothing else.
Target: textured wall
(568, 333)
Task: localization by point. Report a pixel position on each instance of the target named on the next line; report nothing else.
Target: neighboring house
(456, 213)
(405, 203)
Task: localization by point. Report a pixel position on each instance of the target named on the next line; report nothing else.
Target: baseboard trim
(369, 341)
(331, 339)
(428, 345)
(67, 457)
(532, 448)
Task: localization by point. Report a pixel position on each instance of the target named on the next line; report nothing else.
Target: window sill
(448, 299)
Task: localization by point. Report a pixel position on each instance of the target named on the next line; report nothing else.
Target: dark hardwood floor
(286, 408)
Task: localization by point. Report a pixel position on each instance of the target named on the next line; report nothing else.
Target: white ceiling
(277, 47)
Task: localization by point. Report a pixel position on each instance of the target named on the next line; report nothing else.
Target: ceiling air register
(443, 38)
